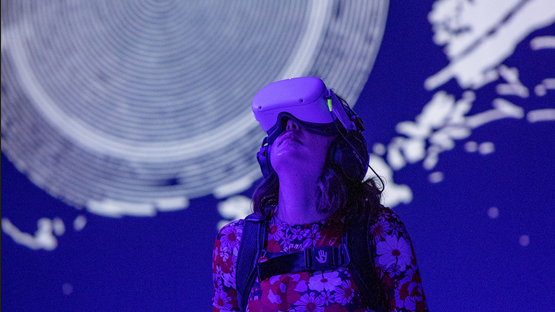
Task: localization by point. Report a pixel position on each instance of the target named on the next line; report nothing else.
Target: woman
(314, 160)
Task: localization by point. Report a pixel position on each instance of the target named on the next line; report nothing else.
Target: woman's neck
(297, 202)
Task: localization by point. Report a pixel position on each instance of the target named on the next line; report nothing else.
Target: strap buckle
(326, 257)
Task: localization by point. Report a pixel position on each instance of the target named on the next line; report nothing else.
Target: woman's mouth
(290, 136)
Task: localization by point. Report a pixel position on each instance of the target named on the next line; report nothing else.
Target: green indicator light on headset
(329, 104)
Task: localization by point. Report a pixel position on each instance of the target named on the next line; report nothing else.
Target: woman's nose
(292, 125)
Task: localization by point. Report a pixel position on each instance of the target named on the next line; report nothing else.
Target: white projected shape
(547, 84)
(471, 146)
(237, 186)
(43, 238)
(524, 240)
(393, 194)
(502, 109)
(58, 226)
(493, 212)
(441, 122)
(89, 137)
(513, 85)
(142, 125)
(540, 90)
(436, 177)
(478, 35)
(79, 223)
(115, 209)
(234, 208)
(379, 149)
(541, 115)
(486, 148)
(148, 122)
(544, 42)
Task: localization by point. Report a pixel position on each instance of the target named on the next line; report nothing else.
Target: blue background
(468, 261)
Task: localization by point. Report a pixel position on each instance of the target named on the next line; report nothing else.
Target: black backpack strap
(309, 259)
(362, 266)
(252, 244)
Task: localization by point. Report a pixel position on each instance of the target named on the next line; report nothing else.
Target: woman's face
(299, 151)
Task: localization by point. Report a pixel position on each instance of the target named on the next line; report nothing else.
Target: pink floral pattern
(326, 291)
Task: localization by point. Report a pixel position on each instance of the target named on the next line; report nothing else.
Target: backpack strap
(360, 253)
(309, 259)
(362, 267)
(252, 244)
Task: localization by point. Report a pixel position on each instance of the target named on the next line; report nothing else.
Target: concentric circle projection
(128, 107)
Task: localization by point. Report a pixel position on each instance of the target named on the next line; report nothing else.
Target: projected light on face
(133, 107)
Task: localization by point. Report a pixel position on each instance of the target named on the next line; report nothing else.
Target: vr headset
(318, 110)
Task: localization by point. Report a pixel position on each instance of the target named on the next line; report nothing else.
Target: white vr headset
(318, 110)
(308, 101)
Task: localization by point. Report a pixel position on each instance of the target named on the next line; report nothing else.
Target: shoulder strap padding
(362, 266)
(252, 242)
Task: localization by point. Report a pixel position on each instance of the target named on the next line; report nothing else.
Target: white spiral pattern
(139, 101)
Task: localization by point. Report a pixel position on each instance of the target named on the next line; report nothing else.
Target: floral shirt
(323, 291)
